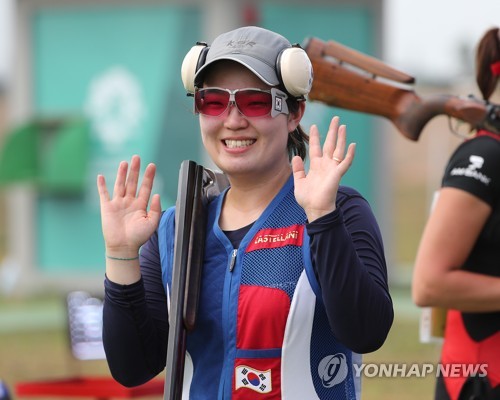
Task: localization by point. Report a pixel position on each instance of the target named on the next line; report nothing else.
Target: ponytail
(488, 62)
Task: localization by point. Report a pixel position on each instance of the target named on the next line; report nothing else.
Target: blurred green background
(116, 64)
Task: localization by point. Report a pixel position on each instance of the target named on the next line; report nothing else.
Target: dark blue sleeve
(348, 257)
(135, 322)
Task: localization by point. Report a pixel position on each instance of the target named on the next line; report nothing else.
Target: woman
(294, 279)
(457, 265)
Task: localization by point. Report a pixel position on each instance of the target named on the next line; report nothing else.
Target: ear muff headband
(293, 67)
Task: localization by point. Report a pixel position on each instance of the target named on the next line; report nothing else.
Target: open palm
(316, 190)
(126, 221)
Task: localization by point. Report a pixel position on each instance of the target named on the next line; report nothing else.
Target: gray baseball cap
(255, 48)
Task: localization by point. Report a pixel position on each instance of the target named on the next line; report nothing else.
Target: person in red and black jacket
(458, 261)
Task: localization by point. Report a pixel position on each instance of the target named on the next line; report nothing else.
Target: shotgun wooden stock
(349, 79)
(197, 186)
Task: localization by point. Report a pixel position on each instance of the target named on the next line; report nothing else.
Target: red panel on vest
(262, 316)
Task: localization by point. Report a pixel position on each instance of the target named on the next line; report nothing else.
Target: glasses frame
(278, 101)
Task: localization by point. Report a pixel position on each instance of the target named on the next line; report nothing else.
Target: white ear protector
(193, 61)
(293, 67)
(295, 71)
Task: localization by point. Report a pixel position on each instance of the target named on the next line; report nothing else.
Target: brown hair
(488, 52)
(297, 139)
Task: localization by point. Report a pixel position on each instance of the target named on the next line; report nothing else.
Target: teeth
(238, 143)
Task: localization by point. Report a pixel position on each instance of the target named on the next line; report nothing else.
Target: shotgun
(349, 79)
(196, 188)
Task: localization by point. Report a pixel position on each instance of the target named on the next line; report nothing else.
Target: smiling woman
(267, 134)
(285, 249)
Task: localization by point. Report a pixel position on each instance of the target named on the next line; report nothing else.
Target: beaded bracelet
(123, 258)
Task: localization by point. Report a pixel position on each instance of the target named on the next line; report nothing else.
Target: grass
(402, 347)
(33, 354)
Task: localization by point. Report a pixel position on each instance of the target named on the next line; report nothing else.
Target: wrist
(110, 257)
(121, 253)
(313, 215)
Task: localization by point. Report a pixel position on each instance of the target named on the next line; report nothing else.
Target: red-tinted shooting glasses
(250, 102)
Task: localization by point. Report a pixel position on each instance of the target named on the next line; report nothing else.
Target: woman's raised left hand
(316, 190)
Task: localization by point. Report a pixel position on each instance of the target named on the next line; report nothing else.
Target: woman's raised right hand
(126, 221)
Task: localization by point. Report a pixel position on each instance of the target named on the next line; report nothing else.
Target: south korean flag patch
(250, 378)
